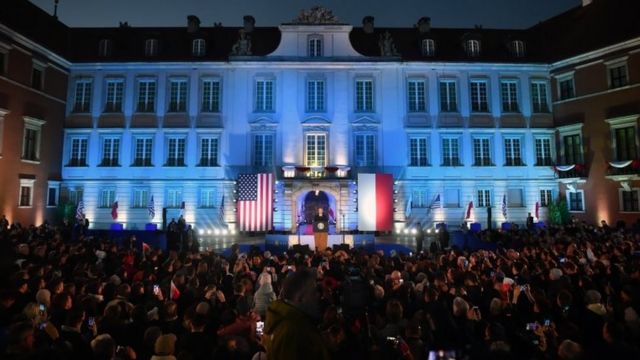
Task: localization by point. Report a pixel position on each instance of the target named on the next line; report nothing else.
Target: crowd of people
(559, 293)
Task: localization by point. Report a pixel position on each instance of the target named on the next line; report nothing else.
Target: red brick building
(33, 92)
(594, 53)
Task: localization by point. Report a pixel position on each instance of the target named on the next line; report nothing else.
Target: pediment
(365, 120)
(263, 123)
(315, 121)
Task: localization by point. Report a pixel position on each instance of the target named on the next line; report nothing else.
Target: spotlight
(225, 232)
(405, 231)
(414, 231)
(395, 200)
(209, 232)
(233, 232)
(437, 231)
(395, 182)
(428, 231)
(395, 191)
(200, 232)
(216, 231)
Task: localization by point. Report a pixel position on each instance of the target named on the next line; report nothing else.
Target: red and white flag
(175, 293)
(469, 207)
(255, 202)
(114, 210)
(537, 210)
(375, 202)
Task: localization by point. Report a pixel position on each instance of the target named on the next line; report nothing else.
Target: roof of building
(579, 30)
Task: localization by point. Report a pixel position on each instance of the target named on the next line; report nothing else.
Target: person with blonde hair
(264, 295)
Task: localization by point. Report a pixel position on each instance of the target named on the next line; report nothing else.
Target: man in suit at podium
(320, 229)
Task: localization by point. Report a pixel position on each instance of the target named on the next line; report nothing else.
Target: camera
(42, 309)
(393, 340)
(259, 328)
(156, 289)
(92, 321)
(532, 326)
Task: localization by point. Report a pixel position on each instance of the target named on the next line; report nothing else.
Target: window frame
(36, 125)
(582, 202)
(143, 137)
(544, 202)
(362, 104)
(26, 183)
(114, 139)
(213, 103)
(317, 135)
(476, 99)
(560, 79)
(144, 192)
(53, 185)
(178, 194)
(315, 45)
(175, 162)
(448, 82)
(79, 106)
(374, 143)
(483, 198)
(536, 107)
(151, 47)
(110, 199)
(418, 103)
(181, 100)
(263, 101)
(211, 198)
(473, 47)
(616, 124)
(111, 106)
(507, 107)
(428, 47)
(72, 160)
(105, 47)
(621, 200)
(146, 103)
(520, 149)
(210, 161)
(615, 64)
(489, 157)
(518, 48)
(316, 98)
(262, 162)
(41, 68)
(427, 155)
(198, 47)
(510, 204)
(458, 158)
(551, 154)
(4, 57)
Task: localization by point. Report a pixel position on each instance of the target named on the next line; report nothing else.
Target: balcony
(315, 172)
(575, 173)
(624, 170)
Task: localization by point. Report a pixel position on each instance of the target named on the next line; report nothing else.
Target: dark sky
(392, 13)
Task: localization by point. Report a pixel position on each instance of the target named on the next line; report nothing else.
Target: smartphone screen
(156, 289)
(259, 328)
(92, 321)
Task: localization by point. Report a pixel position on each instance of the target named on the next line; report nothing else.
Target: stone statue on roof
(242, 47)
(387, 47)
(317, 15)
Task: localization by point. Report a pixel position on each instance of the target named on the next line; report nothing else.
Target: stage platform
(282, 242)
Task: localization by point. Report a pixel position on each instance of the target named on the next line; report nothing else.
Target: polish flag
(175, 293)
(114, 210)
(375, 202)
(145, 247)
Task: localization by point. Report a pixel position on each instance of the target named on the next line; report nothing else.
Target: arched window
(517, 48)
(198, 47)
(315, 45)
(473, 48)
(151, 47)
(428, 47)
(104, 48)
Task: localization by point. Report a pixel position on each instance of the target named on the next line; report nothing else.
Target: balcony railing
(627, 170)
(573, 173)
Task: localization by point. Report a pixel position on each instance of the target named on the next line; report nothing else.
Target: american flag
(435, 204)
(504, 205)
(151, 208)
(80, 210)
(255, 202)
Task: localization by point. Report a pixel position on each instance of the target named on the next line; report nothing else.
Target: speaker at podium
(320, 230)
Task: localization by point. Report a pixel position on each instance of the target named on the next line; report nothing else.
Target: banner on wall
(375, 202)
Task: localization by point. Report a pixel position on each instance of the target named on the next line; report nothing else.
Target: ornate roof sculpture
(317, 15)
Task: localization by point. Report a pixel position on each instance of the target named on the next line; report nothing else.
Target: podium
(320, 233)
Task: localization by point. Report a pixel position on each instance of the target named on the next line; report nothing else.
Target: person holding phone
(71, 333)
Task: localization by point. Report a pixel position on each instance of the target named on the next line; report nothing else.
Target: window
(572, 149)
(315, 45)
(428, 47)
(451, 198)
(418, 149)
(264, 95)
(175, 151)
(143, 151)
(110, 151)
(113, 102)
(484, 198)
(78, 156)
(211, 95)
(566, 88)
(450, 152)
(26, 192)
(517, 48)
(514, 198)
(545, 197)
(539, 97)
(315, 149)
(82, 98)
(104, 48)
(174, 198)
(315, 96)
(146, 96)
(482, 152)
(31, 139)
(630, 201)
(576, 200)
(473, 48)
(263, 149)
(177, 95)
(364, 95)
(107, 198)
(208, 151)
(625, 143)
(52, 193)
(140, 198)
(618, 75)
(479, 96)
(71, 195)
(207, 198)
(543, 152)
(2, 114)
(417, 96)
(37, 76)
(509, 94)
(365, 149)
(512, 153)
(151, 47)
(448, 97)
(198, 47)
(419, 199)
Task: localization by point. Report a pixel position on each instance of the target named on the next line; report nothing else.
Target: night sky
(391, 13)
